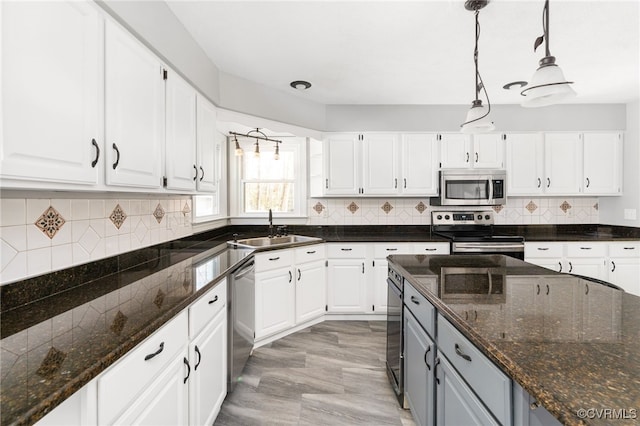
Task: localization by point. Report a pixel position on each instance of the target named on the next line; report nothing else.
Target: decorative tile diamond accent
(118, 216)
(159, 300)
(421, 207)
(50, 222)
(596, 206)
(497, 208)
(118, 323)
(186, 209)
(565, 206)
(158, 213)
(532, 207)
(353, 207)
(318, 207)
(386, 207)
(51, 363)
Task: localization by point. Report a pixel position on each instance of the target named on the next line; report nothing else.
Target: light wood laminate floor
(332, 373)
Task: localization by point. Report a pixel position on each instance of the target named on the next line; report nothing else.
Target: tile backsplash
(417, 211)
(43, 235)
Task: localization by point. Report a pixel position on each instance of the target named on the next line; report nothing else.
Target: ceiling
(418, 52)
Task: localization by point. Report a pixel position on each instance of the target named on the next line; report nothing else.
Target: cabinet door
(601, 313)
(455, 150)
(589, 267)
(134, 111)
(419, 164)
(51, 91)
(488, 151)
(521, 294)
(346, 291)
(419, 356)
(342, 165)
(208, 381)
(380, 164)
(525, 164)
(457, 404)
(275, 301)
(208, 147)
(602, 163)
(563, 163)
(311, 291)
(180, 159)
(165, 401)
(625, 273)
(562, 307)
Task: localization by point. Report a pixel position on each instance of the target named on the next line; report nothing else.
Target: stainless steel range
(472, 232)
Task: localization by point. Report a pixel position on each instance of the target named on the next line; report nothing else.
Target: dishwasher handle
(244, 271)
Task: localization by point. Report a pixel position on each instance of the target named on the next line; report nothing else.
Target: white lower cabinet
(346, 278)
(148, 386)
(77, 410)
(275, 301)
(623, 266)
(311, 287)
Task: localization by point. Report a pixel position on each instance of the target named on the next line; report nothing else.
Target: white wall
(612, 208)
(449, 117)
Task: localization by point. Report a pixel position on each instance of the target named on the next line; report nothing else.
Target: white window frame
(236, 184)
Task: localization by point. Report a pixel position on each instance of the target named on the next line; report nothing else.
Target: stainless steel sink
(261, 242)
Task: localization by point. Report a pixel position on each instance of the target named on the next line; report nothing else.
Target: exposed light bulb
(256, 152)
(276, 155)
(239, 150)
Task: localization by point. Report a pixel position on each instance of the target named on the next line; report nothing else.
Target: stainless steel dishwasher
(240, 320)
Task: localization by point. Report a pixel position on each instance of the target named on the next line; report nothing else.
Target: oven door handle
(489, 246)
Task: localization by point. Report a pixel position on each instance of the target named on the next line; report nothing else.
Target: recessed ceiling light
(515, 85)
(300, 84)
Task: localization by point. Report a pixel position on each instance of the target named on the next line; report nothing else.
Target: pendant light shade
(548, 85)
(239, 150)
(478, 120)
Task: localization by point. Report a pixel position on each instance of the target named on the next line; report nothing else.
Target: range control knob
(487, 217)
(439, 217)
(447, 217)
(479, 217)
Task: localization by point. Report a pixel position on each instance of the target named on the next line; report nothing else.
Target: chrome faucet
(270, 224)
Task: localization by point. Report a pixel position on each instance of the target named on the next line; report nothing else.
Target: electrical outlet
(630, 214)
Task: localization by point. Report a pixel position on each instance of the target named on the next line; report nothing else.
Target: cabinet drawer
(203, 310)
(586, 250)
(492, 385)
(553, 250)
(273, 260)
(120, 385)
(421, 308)
(347, 251)
(381, 251)
(628, 249)
(310, 253)
(430, 248)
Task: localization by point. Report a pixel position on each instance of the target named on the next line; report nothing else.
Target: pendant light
(548, 85)
(478, 120)
(276, 155)
(258, 137)
(256, 152)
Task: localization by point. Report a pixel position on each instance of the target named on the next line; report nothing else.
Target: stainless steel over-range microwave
(471, 187)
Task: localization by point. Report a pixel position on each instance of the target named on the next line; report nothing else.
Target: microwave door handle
(490, 191)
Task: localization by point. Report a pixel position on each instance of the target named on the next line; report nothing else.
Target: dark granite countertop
(576, 348)
(60, 330)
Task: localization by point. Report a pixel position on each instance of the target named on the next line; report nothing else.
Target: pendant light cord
(479, 82)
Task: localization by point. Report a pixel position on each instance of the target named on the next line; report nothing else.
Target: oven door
(394, 339)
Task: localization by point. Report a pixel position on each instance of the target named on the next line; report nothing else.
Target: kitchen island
(572, 344)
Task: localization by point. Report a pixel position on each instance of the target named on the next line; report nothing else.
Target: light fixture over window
(258, 137)
(548, 85)
(478, 120)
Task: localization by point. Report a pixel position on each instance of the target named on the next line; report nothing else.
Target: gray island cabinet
(484, 343)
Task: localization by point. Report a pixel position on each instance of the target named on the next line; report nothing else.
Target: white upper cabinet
(477, 151)
(342, 164)
(419, 161)
(134, 112)
(525, 164)
(209, 147)
(180, 164)
(455, 150)
(602, 163)
(51, 93)
(380, 164)
(563, 163)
